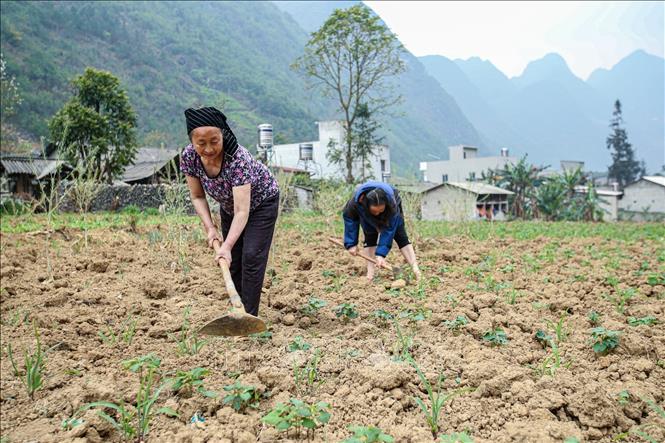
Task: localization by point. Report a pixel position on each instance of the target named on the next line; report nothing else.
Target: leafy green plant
(404, 344)
(306, 377)
(313, 306)
(436, 397)
(512, 295)
(594, 317)
(382, 315)
(456, 323)
(418, 313)
(241, 397)
(299, 344)
(188, 341)
(623, 397)
(133, 421)
(33, 376)
(544, 338)
(656, 279)
(297, 415)
(648, 321)
(560, 330)
(551, 363)
(346, 311)
(455, 437)
(604, 340)
(622, 297)
(125, 333)
(495, 337)
(262, 337)
(368, 434)
(190, 381)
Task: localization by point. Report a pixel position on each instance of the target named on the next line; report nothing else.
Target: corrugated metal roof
(29, 166)
(416, 188)
(655, 179)
(480, 188)
(148, 161)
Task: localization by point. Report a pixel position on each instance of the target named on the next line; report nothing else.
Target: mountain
(234, 55)
(428, 120)
(553, 115)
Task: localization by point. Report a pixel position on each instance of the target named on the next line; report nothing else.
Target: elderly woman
(215, 164)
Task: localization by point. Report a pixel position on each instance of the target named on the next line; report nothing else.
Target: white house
(459, 201)
(608, 201)
(312, 155)
(644, 200)
(463, 165)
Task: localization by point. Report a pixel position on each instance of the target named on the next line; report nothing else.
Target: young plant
(622, 297)
(604, 340)
(313, 306)
(623, 397)
(241, 397)
(368, 434)
(299, 344)
(188, 341)
(545, 339)
(642, 431)
(402, 348)
(262, 337)
(297, 415)
(456, 323)
(594, 317)
(560, 330)
(512, 295)
(125, 333)
(189, 381)
(435, 396)
(417, 314)
(346, 311)
(455, 437)
(33, 378)
(552, 362)
(382, 316)
(134, 420)
(495, 337)
(306, 377)
(649, 320)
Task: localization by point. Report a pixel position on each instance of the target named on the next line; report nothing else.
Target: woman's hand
(212, 236)
(223, 253)
(380, 261)
(353, 250)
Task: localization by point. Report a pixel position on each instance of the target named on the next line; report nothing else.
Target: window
(444, 178)
(472, 176)
(383, 166)
(464, 155)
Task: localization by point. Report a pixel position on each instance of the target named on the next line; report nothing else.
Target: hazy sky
(588, 35)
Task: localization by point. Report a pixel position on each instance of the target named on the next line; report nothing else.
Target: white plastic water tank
(265, 136)
(306, 151)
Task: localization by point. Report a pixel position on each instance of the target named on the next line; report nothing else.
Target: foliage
(299, 344)
(346, 311)
(349, 58)
(624, 168)
(33, 378)
(648, 320)
(456, 323)
(190, 381)
(95, 129)
(241, 397)
(368, 434)
(455, 437)
(307, 378)
(594, 317)
(188, 340)
(604, 340)
(522, 179)
(125, 332)
(297, 415)
(313, 306)
(495, 337)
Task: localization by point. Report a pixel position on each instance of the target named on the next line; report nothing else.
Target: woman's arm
(200, 204)
(241, 199)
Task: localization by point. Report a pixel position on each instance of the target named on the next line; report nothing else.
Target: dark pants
(372, 235)
(250, 253)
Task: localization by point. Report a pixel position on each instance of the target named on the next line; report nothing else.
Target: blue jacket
(355, 215)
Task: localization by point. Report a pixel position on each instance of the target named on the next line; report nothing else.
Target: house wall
(459, 170)
(448, 203)
(642, 195)
(610, 206)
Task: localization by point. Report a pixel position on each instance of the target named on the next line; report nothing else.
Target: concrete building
(608, 201)
(463, 165)
(312, 155)
(459, 201)
(644, 200)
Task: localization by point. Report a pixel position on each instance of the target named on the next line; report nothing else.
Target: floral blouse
(237, 171)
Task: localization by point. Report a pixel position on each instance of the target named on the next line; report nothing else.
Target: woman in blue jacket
(376, 207)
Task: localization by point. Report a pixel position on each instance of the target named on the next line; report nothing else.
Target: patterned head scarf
(209, 116)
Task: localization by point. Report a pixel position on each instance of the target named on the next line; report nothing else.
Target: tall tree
(10, 99)
(351, 57)
(624, 168)
(365, 140)
(522, 179)
(95, 129)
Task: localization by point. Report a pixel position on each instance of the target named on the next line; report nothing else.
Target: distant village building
(152, 166)
(313, 155)
(25, 175)
(463, 165)
(644, 200)
(608, 201)
(459, 201)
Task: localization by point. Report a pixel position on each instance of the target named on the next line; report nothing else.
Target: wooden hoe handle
(234, 298)
(360, 254)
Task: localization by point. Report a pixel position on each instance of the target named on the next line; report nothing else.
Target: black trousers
(250, 253)
(372, 236)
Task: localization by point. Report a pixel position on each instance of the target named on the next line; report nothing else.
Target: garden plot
(535, 340)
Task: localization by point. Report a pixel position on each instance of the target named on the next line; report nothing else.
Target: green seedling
(242, 397)
(612, 281)
(346, 311)
(382, 315)
(313, 306)
(623, 296)
(188, 341)
(455, 437)
(404, 344)
(649, 320)
(262, 337)
(436, 397)
(417, 293)
(368, 434)
(656, 279)
(33, 376)
(307, 378)
(70, 423)
(297, 415)
(189, 381)
(512, 295)
(133, 421)
(299, 344)
(418, 314)
(623, 397)
(594, 317)
(125, 333)
(551, 363)
(604, 340)
(560, 330)
(450, 298)
(544, 339)
(495, 337)
(456, 323)
(642, 431)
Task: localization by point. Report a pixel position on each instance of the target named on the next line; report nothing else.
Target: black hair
(377, 197)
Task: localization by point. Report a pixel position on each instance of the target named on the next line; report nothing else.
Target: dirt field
(72, 290)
